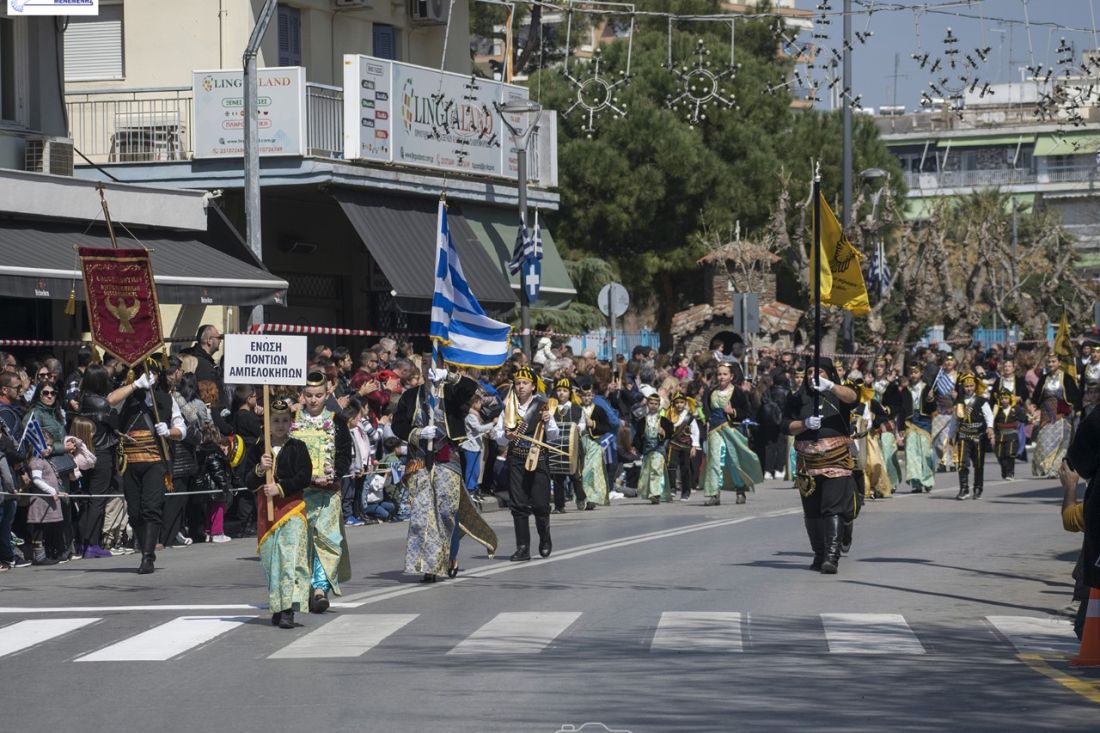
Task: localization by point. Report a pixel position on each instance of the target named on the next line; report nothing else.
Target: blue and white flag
(944, 383)
(527, 258)
(879, 273)
(464, 335)
(34, 434)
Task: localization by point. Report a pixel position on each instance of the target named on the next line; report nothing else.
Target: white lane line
(167, 640)
(707, 631)
(345, 636)
(1032, 635)
(25, 634)
(108, 609)
(869, 633)
(516, 633)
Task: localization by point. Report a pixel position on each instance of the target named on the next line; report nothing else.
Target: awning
(39, 260)
(988, 141)
(496, 229)
(1067, 145)
(400, 234)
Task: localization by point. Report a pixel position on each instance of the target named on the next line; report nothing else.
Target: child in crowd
(76, 444)
(393, 463)
(471, 447)
(44, 515)
(351, 486)
(376, 507)
(214, 475)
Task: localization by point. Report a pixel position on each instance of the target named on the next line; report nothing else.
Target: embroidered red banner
(122, 302)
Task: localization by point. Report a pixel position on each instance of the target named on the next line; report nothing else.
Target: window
(93, 45)
(385, 42)
(290, 36)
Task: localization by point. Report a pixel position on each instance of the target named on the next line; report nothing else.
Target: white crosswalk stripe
(869, 633)
(1037, 635)
(517, 633)
(168, 640)
(711, 631)
(345, 636)
(25, 634)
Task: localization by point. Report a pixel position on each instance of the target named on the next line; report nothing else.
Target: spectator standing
(102, 478)
(207, 342)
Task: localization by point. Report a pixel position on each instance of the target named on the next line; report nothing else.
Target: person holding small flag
(944, 422)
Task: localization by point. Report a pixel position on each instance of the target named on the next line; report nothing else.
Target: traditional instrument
(537, 443)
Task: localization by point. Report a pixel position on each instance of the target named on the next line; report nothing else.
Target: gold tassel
(70, 306)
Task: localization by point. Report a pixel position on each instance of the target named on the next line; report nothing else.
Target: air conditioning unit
(429, 12)
(52, 155)
(352, 4)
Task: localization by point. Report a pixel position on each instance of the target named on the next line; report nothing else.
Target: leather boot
(817, 542)
(523, 539)
(846, 536)
(542, 525)
(831, 526)
(146, 566)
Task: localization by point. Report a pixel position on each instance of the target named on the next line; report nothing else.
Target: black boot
(146, 566)
(286, 619)
(977, 492)
(846, 536)
(713, 501)
(523, 539)
(542, 525)
(831, 526)
(817, 542)
(964, 493)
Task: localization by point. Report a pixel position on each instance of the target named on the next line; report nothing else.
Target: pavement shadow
(954, 596)
(962, 568)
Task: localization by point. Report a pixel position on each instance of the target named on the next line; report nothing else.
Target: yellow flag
(841, 275)
(1064, 349)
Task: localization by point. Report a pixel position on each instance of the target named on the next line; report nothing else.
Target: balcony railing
(324, 121)
(999, 177)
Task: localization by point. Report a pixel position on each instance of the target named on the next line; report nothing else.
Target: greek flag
(944, 383)
(464, 335)
(37, 437)
(879, 272)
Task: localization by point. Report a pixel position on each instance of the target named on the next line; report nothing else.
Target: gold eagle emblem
(124, 312)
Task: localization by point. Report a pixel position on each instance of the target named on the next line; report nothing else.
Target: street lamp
(875, 179)
(521, 137)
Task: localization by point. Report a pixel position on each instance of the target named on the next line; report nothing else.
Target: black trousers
(680, 461)
(560, 482)
(1007, 448)
(528, 494)
(143, 485)
(99, 480)
(175, 509)
(832, 497)
(970, 451)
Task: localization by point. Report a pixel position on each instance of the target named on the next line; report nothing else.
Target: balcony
(999, 177)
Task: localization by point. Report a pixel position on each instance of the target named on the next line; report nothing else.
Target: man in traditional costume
(564, 469)
(527, 417)
(825, 463)
(731, 463)
(1007, 418)
(944, 422)
(148, 419)
(683, 444)
(1058, 397)
(329, 443)
(975, 425)
(597, 424)
(431, 419)
(651, 434)
(283, 544)
(917, 404)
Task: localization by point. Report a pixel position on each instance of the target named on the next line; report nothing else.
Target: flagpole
(817, 280)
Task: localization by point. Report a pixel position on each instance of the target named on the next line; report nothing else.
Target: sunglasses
(48, 393)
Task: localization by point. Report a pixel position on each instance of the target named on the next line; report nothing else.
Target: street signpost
(613, 301)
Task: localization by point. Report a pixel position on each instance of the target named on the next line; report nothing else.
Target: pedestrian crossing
(354, 635)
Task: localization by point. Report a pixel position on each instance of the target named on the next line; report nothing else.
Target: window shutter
(385, 42)
(93, 45)
(290, 36)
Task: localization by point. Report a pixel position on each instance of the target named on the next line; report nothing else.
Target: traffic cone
(1089, 656)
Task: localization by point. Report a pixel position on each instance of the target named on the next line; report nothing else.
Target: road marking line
(167, 640)
(25, 634)
(709, 631)
(516, 633)
(345, 636)
(869, 633)
(1031, 635)
(1088, 689)
(108, 609)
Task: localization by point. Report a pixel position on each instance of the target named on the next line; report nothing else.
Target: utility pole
(846, 111)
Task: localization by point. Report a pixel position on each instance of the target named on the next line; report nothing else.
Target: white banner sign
(53, 7)
(405, 114)
(255, 359)
(219, 112)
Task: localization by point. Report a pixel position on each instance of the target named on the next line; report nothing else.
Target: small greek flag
(463, 334)
(34, 434)
(879, 272)
(527, 256)
(944, 383)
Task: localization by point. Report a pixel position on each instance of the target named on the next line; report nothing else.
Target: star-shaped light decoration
(955, 76)
(701, 87)
(442, 126)
(596, 94)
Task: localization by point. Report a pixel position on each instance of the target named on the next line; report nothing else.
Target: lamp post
(521, 137)
(875, 179)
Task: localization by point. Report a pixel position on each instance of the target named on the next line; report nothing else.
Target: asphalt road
(676, 617)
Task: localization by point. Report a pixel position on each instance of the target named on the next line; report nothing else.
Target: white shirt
(693, 430)
(176, 421)
(987, 411)
(550, 432)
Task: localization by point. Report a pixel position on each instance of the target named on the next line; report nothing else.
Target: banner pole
(817, 282)
(267, 451)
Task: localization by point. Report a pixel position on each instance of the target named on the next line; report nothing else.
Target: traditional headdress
(280, 407)
(316, 379)
(563, 383)
(523, 373)
(1005, 393)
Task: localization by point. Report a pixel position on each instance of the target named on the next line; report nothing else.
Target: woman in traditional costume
(731, 463)
(1057, 396)
(593, 469)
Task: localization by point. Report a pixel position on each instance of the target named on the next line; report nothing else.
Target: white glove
(162, 429)
(437, 375)
(813, 422)
(429, 432)
(377, 482)
(823, 383)
(145, 381)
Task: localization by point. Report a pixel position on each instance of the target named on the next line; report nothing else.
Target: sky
(998, 24)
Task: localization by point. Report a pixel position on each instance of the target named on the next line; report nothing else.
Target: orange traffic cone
(1089, 656)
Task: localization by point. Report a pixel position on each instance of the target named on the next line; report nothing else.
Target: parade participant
(824, 478)
(1007, 419)
(975, 423)
(527, 415)
(798, 377)
(148, 418)
(917, 404)
(329, 445)
(1008, 380)
(431, 419)
(1090, 370)
(683, 444)
(944, 422)
(283, 544)
(868, 418)
(594, 478)
(731, 463)
(1057, 396)
(651, 434)
(564, 469)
